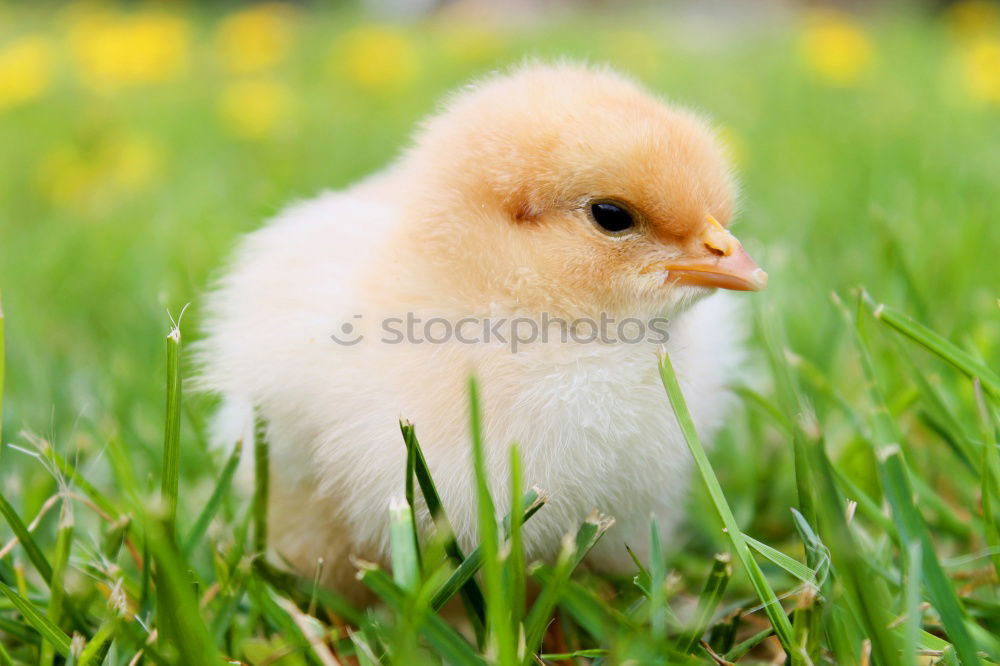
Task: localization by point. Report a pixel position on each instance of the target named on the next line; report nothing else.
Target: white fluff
(593, 424)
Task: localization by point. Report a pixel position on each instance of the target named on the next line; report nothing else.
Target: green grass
(858, 485)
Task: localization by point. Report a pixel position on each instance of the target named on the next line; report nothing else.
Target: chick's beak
(725, 263)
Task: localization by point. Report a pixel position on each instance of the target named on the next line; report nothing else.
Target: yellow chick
(547, 231)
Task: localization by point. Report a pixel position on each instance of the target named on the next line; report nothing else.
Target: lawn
(135, 145)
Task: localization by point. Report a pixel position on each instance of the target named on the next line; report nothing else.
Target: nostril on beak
(716, 251)
(717, 240)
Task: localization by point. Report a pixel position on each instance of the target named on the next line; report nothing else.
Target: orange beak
(728, 265)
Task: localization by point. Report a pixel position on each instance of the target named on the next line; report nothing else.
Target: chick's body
(488, 217)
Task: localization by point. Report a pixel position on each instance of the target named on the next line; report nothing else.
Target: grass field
(135, 147)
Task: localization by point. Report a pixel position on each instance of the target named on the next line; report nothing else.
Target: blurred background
(138, 139)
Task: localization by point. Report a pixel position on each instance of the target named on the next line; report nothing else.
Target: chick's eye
(611, 217)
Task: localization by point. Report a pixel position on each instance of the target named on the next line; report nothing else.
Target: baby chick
(564, 196)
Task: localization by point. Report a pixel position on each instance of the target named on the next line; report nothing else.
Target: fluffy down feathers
(485, 216)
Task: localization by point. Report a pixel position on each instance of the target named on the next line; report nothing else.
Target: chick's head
(573, 189)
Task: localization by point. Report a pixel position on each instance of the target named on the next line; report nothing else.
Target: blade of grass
(43, 625)
(657, 584)
(801, 439)
(404, 638)
(751, 397)
(807, 618)
(786, 562)
(934, 404)
(297, 636)
(498, 614)
(64, 540)
(806, 625)
(442, 637)
(911, 600)
(864, 598)
(816, 378)
(893, 249)
(788, 394)
(139, 639)
(146, 579)
(228, 606)
(471, 564)
(403, 546)
(641, 580)
(866, 505)
(302, 590)
(570, 557)
(310, 630)
(472, 595)
(817, 554)
(774, 343)
(515, 565)
(19, 630)
(592, 613)
(124, 473)
(898, 489)
(96, 647)
(36, 557)
(410, 495)
(222, 486)
(745, 646)
(935, 343)
(578, 654)
(989, 478)
(179, 616)
(772, 607)
(262, 486)
(20, 530)
(3, 350)
(708, 601)
(171, 437)
(363, 651)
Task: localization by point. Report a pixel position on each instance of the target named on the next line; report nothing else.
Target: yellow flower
(971, 18)
(836, 47)
(115, 50)
(980, 67)
(25, 70)
(256, 38)
(254, 109)
(91, 178)
(376, 57)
